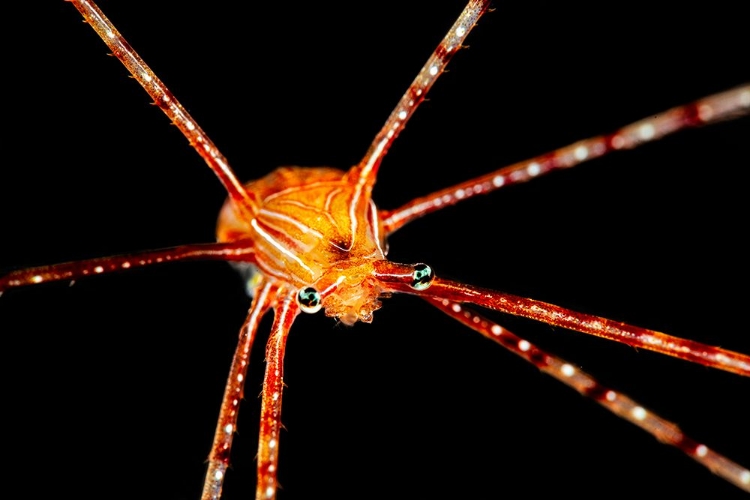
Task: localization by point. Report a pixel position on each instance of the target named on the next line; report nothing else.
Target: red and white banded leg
(621, 405)
(218, 460)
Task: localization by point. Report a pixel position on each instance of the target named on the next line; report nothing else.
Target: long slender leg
(726, 105)
(270, 413)
(619, 404)
(400, 278)
(234, 251)
(218, 460)
(166, 101)
(366, 172)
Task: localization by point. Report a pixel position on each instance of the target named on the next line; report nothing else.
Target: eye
(308, 299)
(422, 277)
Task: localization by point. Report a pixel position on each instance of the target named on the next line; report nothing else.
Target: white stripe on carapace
(375, 226)
(322, 213)
(276, 215)
(298, 189)
(327, 210)
(298, 245)
(272, 272)
(270, 240)
(329, 199)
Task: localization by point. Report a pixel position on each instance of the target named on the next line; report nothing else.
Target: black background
(112, 386)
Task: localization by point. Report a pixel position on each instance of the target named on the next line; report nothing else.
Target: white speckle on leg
(646, 131)
(524, 345)
(568, 370)
(581, 153)
(701, 450)
(611, 395)
(228, 428)
(745, 476)
(533, 169)
(639, 413)
(498, 180)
